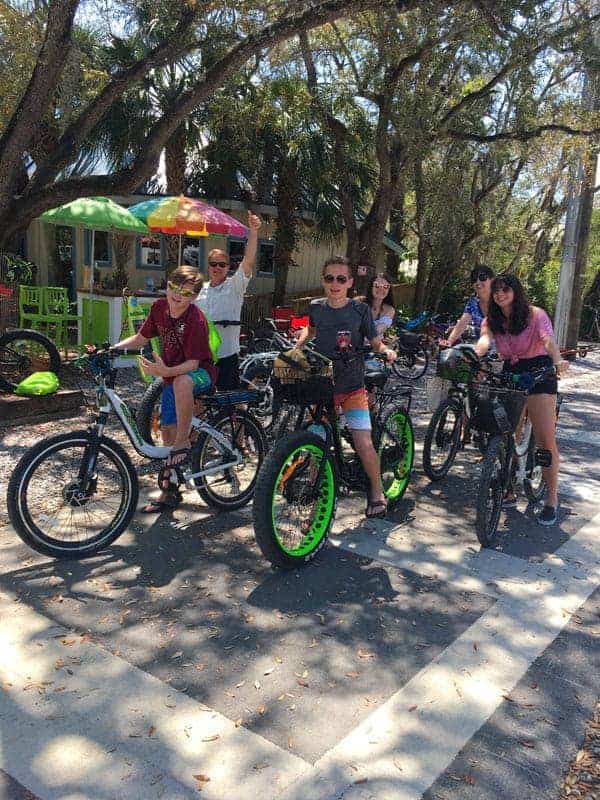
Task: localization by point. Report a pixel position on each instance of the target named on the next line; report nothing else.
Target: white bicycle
(73, 494)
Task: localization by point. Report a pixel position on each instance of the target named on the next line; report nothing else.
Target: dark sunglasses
(481, 276)
(218, 264)
(339, 278)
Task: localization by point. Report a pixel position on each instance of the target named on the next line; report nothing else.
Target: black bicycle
(23, 352)
(301, 477)
(512, 458)
(450, 424)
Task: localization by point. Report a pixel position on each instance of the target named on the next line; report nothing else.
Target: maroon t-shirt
(181, 338)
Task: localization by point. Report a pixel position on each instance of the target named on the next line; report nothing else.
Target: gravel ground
(583, 778)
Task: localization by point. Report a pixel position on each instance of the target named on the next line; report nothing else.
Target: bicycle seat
(375, 379)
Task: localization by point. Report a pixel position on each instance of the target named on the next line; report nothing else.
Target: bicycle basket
(436, 389)
(497, 410)
(296, 380)
(454, 367)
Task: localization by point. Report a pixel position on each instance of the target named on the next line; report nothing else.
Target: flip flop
(376, 509)
(158, 506)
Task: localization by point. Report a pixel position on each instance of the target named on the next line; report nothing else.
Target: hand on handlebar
(561, 367)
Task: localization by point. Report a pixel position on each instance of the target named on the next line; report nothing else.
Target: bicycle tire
(148, 414)
(534, 487)
(207, 490)
(258, 375)
(411, 366)
(19, 510)
(262, 345)
(491, 488)
(434, 436)
(397, 464)
(7, 345)
(272, 478)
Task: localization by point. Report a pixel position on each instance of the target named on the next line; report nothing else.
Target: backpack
(214, 338)
(37, 384)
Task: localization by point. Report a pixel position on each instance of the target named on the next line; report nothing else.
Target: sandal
(158, 506)
(376, 509)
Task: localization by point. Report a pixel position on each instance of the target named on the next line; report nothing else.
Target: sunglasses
(379, 285)
(177, 288)
(218, 264)
(482, 276)
(339, 278)
(502, 288)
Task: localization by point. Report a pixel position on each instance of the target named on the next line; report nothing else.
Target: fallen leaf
(269, 671)
(262, 710)
(469, 779)
(302, 682)
(290, 742)
(262, 765)
(527, 744)
(240, 684)
(361, 780)
(212, 738)
(279, 660)
(238, 722)
(200, 667)
(413, 708)
(314, 643)
(321, 618)
(364, 654)
(475, 646)
(151, 730)
(352, 674)
(256, 685)
(201, 778)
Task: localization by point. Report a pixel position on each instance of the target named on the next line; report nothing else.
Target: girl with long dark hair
(380, 299)
(524, 337)
(476, 307)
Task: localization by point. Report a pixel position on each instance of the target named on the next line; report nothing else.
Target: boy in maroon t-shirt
(186, 365)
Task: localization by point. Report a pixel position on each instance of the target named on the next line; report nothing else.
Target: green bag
(214, 338)
(38, 384)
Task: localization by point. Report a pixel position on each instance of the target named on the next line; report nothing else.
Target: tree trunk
(287, 200)
(175, 166)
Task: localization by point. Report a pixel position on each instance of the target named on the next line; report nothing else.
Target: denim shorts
(201, 383)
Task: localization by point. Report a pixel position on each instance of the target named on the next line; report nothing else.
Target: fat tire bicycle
(301, 477)
(73, 494)
(23, 352)
(512, 457)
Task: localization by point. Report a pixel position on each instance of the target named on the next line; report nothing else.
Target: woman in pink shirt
(524, 338)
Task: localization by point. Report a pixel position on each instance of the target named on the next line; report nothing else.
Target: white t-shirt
(224, 302)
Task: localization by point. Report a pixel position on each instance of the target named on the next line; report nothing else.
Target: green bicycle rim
(402, 469)
(324, 510)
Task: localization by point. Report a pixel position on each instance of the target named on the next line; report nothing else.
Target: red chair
(282, 316)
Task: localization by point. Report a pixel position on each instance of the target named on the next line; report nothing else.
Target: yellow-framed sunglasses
(177, 288)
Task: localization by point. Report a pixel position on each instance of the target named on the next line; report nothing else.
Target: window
(193, 252)
(266, 258)
(236, 253)
(102, 248)
(150, 252)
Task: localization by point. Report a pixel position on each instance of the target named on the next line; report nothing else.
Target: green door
(95, 321)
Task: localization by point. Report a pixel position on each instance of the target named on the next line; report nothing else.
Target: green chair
(31, 311)
(57, 313)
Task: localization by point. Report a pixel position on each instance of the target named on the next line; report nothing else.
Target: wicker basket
(497, 410)
(297, 381)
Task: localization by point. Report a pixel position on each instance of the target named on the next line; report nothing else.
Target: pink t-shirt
(527, 344)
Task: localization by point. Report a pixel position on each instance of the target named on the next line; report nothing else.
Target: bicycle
(301, 477)
(593, 329)
(62, 487)
(511, 458)
(450, 423)
(23, 352)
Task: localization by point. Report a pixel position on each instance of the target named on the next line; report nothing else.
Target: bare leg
(542, 412)
(184, 404)
(363, 444)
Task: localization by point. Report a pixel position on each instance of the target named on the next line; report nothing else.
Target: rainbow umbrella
(185, 216)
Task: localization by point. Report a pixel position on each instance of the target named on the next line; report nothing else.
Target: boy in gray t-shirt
(339, 326)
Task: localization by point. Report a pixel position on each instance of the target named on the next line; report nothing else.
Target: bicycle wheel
(411, 366)
(262, 345)
(442, 439)
(295, 500)
(534, 484)
(23, 352)
(148, 414)
(259, 377)
(490, 492)
(233, 487)
(55, 513)
(395, 443)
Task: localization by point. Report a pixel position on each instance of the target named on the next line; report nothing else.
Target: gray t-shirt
(341, 332)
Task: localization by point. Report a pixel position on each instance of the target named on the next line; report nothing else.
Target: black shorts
(548, 386)
(228, 377)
